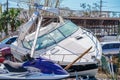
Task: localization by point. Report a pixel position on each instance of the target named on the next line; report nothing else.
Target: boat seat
(11, 69)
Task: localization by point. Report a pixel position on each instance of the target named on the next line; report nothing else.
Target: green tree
(89, 9)
(13, 18)
(3, 22)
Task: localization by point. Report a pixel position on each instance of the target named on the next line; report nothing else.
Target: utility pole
(31, 2)
(0, 8)
(57, 3)
(101, 7)
(7, 18)
(46, 3)
(7, 6)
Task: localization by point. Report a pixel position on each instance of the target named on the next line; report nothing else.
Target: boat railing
(92, 14)
(67, 55)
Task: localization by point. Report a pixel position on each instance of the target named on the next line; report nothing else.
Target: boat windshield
(68, 29)
(53, 37)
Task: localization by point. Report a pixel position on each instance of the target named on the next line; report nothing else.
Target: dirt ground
(102, 75)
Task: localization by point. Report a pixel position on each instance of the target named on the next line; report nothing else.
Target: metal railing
(78, 13)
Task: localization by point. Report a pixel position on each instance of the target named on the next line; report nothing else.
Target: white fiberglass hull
(66, 49)
(91, 72)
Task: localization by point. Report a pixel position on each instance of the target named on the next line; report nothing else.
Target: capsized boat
(61, 41)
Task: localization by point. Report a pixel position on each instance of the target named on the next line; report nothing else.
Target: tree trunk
(12, 27)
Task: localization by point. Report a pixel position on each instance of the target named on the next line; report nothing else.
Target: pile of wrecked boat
(63, 42)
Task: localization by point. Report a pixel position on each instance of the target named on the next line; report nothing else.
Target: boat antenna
(48, 9)
(36, 35)
(79, 57)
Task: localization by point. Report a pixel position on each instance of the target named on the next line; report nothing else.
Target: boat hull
(66, 49)
(83, 70)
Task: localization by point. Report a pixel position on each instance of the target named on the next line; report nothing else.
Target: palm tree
(13, 18)
(3, 22)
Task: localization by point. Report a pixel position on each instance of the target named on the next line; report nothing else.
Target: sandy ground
(101, 75)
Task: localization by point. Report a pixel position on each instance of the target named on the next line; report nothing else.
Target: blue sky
(108, 5)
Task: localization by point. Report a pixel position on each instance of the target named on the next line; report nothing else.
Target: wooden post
(69, 65)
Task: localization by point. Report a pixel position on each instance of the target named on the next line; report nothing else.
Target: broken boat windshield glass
(53, 37)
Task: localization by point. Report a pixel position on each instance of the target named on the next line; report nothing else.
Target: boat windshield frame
(53, 37)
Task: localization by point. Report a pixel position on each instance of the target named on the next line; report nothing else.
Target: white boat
(62, 42)
(111, 47)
